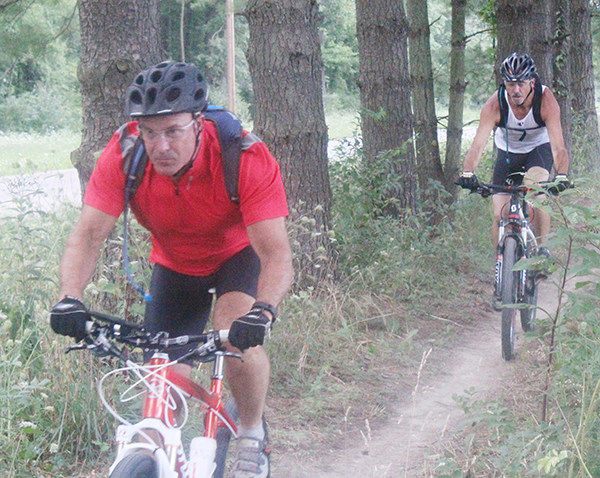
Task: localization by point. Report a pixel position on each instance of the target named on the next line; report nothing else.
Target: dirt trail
(423, 421)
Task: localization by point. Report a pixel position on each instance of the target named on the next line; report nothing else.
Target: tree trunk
(585, 137)
(118, 39)
(562, 68)
(386, 118)
(514, 29)
(423, 97)
(456, 96)
(526, 26)
(284, 58)
(541, 47)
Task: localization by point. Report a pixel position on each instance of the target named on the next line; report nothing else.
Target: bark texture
(284, 58)
(423, 97)
(118, 39)
(384, 83)
(456, 96)
(586, 138)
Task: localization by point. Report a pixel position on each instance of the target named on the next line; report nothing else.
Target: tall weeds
(549, 425)
(340, 353)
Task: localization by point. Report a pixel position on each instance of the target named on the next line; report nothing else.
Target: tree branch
(7, 3)
(477, 33)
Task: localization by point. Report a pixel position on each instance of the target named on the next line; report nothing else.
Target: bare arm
(270, 241)
(83, 246)
(550, 112)
(488, 120)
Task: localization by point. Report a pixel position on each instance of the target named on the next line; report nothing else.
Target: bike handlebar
(486, 190)
(100, 338)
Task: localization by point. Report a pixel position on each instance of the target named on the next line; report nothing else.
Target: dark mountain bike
(515, 288)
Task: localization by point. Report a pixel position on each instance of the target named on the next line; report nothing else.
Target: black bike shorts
(181, 304)
(508, 164)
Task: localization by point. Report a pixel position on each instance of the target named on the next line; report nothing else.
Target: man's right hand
(68, 317)
(250, 330)
(468, 180)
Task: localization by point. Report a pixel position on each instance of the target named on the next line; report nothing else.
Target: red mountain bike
(152, 447)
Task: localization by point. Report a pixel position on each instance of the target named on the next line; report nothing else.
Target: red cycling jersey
(194, 225)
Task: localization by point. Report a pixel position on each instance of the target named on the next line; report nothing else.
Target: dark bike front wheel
(531, 295)
(223, 439)
(136, 465)
(509, 297)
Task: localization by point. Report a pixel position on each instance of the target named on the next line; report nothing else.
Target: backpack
(537, 103)
(229, 131)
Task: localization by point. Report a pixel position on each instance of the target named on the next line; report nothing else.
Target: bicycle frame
(517, 226)
(163, 385)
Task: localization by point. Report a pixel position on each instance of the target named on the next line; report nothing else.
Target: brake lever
(76, 347)
(227, 353)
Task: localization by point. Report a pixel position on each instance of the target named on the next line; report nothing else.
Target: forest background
(380, 242)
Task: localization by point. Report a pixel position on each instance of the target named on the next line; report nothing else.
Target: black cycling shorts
(181, 304)
(508, 164)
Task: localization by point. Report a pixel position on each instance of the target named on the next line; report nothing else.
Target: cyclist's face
(518, 91)
(170, 140)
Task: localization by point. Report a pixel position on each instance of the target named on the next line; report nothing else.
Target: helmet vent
(151, 96)
(173, 94)
(199, 94)
(177, 76)
(156, 76)
(139, 80)
(136, 98)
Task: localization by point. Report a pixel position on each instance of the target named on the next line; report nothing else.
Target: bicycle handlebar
(486, 190)
(100, 338)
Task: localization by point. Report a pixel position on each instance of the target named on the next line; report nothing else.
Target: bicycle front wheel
(509, 297)
(223, 439)
(531, 295)
(136, 465)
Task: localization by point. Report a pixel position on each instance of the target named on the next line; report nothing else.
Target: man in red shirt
(201, 240)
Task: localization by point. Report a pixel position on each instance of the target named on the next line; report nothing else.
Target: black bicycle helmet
(167, 88)
(517, 67)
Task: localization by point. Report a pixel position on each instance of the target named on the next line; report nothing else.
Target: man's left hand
(250, 330)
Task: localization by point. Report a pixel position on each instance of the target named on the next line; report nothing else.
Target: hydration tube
(146, 295)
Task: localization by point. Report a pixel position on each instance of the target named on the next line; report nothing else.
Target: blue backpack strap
(229, 130)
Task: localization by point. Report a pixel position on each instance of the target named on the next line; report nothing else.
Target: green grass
(24, 153)
(342, 124)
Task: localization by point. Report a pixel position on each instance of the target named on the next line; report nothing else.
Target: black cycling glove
(69, 317)
(562, 183)
(468, 180)
(251, 329)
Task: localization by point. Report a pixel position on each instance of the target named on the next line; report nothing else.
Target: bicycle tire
(136, 465)
(223, 439)
(509, 297)
(528, 315)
